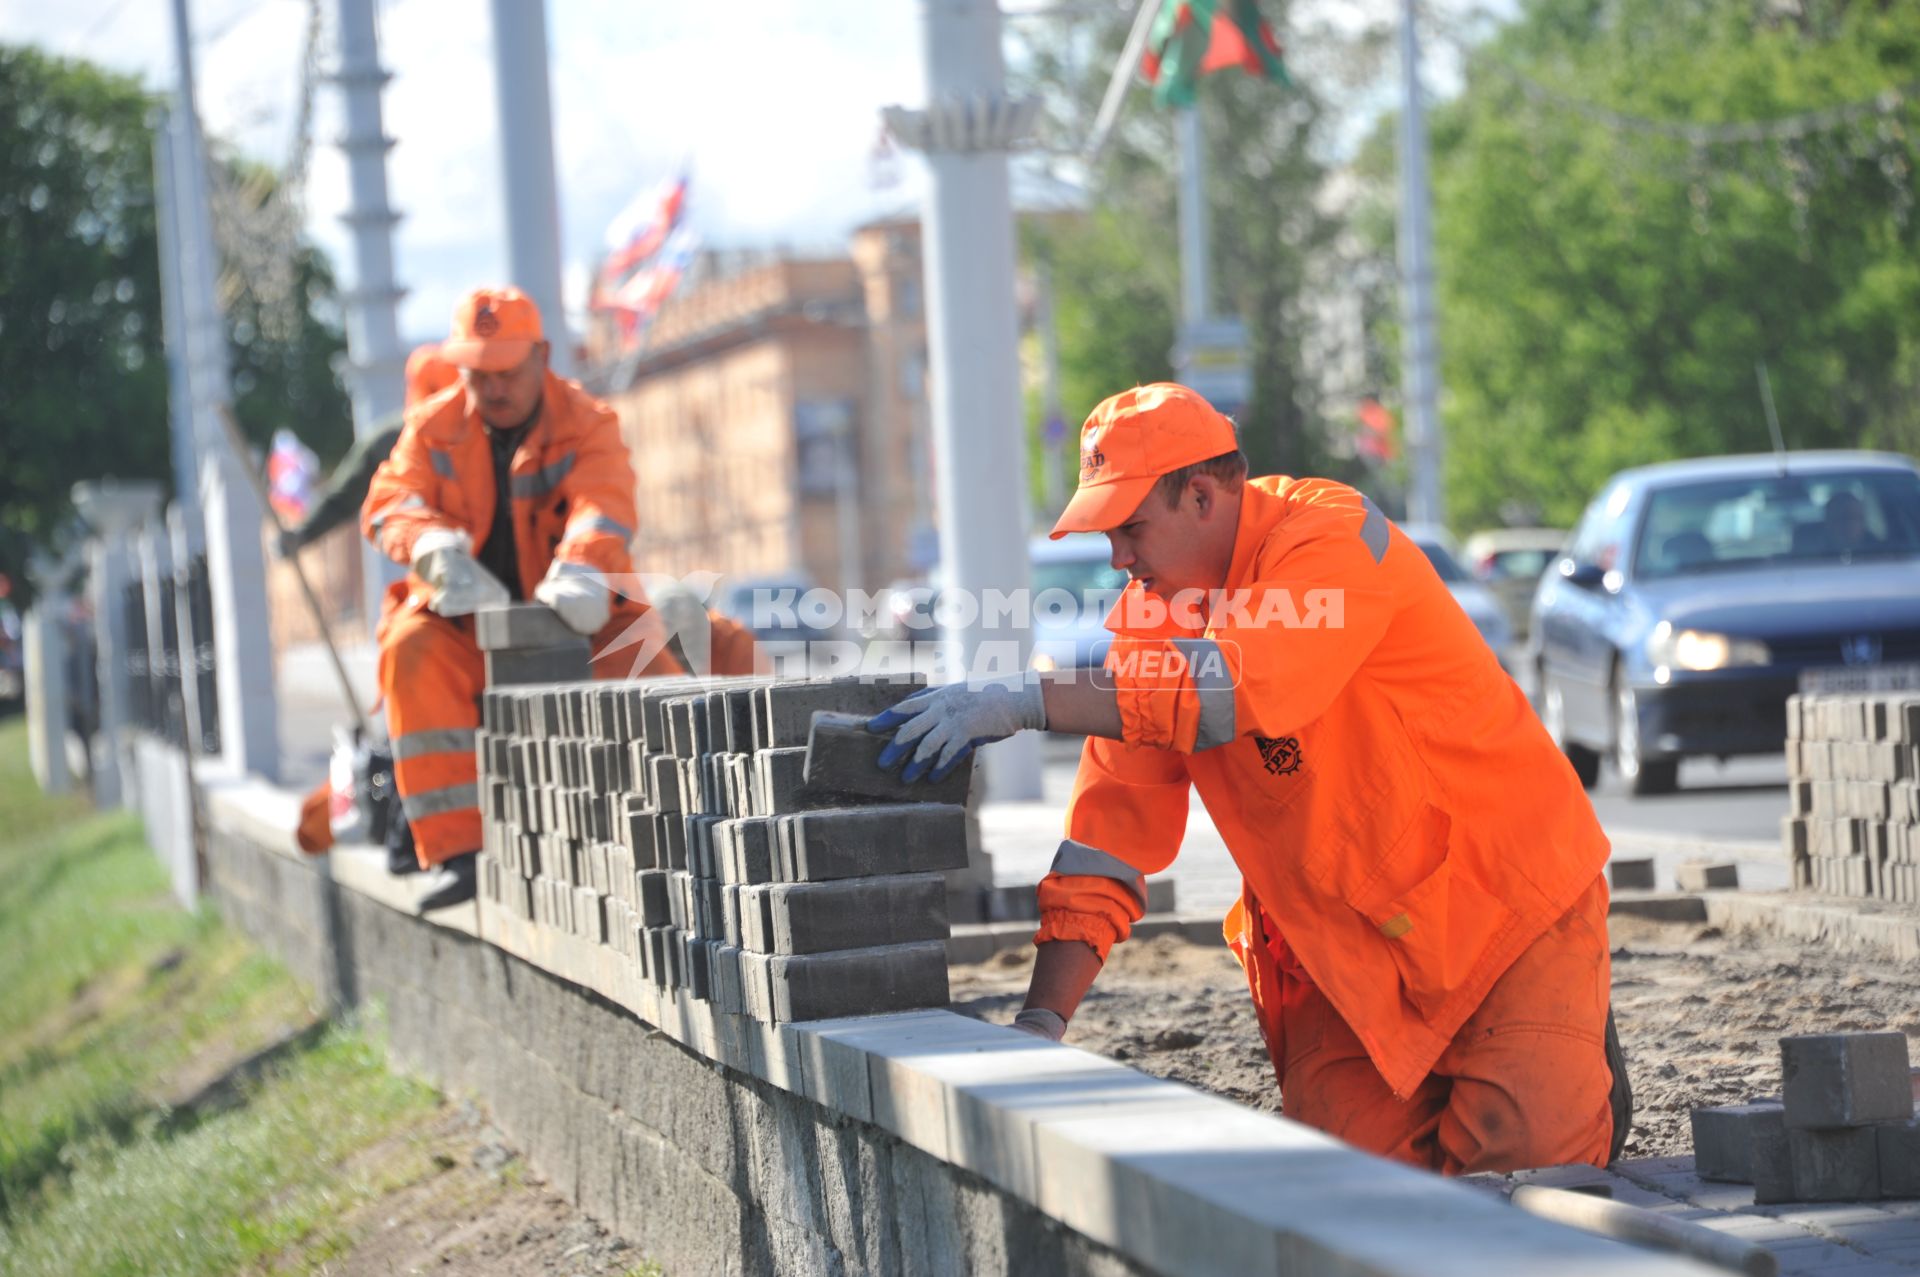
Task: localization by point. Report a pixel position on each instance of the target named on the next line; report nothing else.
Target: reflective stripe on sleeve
(442, 740)
(1213, 684)
(438, 802)
(544, 480)
(1078, 858)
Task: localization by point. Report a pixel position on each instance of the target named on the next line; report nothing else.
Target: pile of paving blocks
(1853, 763)
(692, 827)
(1843, 1128)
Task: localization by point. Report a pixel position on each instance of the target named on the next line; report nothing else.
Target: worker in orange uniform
(512, 484)
(1423, 917)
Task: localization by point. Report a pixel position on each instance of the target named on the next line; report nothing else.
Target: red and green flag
(1194, 38)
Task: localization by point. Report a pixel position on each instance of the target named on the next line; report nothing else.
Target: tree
(1116, 272)
(1606, 291)
(83, 391)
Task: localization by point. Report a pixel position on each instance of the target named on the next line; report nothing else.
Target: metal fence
(158, 662)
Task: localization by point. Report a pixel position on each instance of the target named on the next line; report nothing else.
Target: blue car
(1693, 595)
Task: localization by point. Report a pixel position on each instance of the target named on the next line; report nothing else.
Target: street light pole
(1420, 347)
(525, 113)
(966, 132)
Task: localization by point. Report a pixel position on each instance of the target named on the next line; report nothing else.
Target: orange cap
(428, 374)
(1132, 439)
(493, 330)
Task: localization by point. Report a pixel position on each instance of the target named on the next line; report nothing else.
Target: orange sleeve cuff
(1097, 933)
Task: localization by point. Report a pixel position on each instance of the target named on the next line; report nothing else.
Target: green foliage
(1605, 294)
(83, 385)
(1116, 271)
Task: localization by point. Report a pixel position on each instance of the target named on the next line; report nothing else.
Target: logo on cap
(486, 323)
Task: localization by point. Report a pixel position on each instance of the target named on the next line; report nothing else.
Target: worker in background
(346, 488)
(1423, 918)
(513, 484)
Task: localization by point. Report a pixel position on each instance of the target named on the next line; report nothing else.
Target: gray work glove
(941, 726)
(443, 558)
(578, 594)
(1042, 1023)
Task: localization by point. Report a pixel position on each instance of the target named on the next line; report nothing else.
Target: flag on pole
(643, 226)
(1195, 38)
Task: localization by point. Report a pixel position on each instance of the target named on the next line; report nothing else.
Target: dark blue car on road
(1693, 596)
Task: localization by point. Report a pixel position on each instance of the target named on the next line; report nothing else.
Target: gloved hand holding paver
(1422, 921)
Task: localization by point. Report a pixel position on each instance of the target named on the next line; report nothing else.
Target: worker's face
(1187, 546)
(505, 400)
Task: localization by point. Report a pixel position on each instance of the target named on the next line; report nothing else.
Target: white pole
(186, 453)
(45, 676)
(1195, 284)
(973, 342)
(525, 115)
(377, 379)
(1420, 348)
(236, 561)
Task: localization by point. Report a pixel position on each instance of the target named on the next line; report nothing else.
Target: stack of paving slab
(1853, 763)
(684, 824)
(1843, 1128)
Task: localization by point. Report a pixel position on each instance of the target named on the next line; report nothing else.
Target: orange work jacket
(570, 479)
(1386, 790)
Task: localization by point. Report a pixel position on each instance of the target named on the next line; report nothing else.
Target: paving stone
(853, 842)
(1723, 1140)
(787, 708)
(1835, 1164)
(858, 913)
(1699, 875)
(1845, 1079)
(843, 757)
(1899, 1144)
(1772, 1163)
(822, 986)
(521, 625)
(1633, 874)
(520, 665)
(746, 847)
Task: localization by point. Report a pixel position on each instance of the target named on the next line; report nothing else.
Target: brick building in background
(777, 417)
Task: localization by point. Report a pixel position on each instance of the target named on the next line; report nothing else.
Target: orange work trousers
(431, 676)
(1526, 1081)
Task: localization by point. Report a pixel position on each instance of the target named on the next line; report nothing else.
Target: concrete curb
(1850, 925)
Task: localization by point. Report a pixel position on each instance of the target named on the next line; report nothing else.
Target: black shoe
(459, 883)
(401, 859)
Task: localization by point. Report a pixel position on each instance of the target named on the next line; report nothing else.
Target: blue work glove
(941, 726)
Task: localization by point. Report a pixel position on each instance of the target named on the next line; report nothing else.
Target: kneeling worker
(511, 484)
(1423, 922)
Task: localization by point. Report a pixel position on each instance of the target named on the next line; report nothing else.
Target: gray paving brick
(1844, 1079)
(746, 849)
(1835, 1164)
(1723, 1140)
(852, 842)
(557, 664)
(1772, 1163)
(843, 757)
(788, 708)
(1899, 1144)
(858, 913)
(1699, 875)
(821, 986)
(1631, 874)
(521, 625)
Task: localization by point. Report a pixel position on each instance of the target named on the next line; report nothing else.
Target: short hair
(1229, 469)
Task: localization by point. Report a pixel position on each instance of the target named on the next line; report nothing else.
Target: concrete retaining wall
(908, 1143)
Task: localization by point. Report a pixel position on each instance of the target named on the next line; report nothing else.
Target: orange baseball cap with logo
(1131, 440)
(494, 329)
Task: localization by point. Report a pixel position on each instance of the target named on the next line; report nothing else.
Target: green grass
(123, 1148)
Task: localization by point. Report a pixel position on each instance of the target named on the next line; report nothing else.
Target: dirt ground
(1700, 1015)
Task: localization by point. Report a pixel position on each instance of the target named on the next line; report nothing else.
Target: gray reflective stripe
(598, 523)
(1078, 858)
(1213, 683)
(543, 480)
(412, 501)
(442, 462)
(438, 802)
(444, 740)
(1373, 530)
